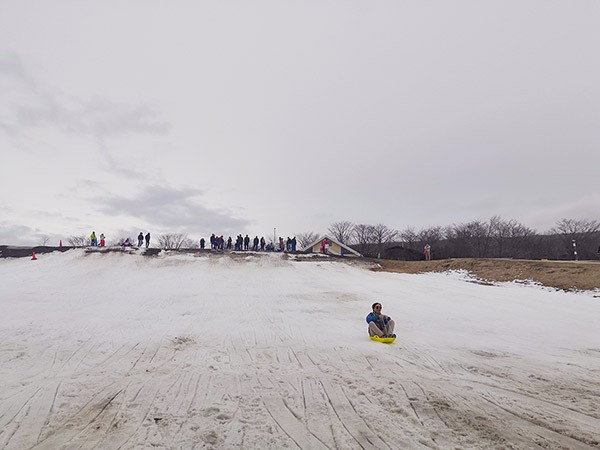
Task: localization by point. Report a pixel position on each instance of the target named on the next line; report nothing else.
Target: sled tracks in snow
(243, 393)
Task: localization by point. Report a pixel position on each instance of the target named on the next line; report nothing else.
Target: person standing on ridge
(148, 239)
(140, 239)
(427, 251)
(94, 239)
(102, 241)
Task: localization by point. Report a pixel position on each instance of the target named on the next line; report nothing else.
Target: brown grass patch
(580, 275)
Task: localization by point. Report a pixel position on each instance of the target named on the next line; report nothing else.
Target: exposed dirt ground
(581, 275)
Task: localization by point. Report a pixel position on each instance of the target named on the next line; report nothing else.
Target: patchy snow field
(117, 350)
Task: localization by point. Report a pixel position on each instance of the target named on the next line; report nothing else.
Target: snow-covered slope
(260, 351)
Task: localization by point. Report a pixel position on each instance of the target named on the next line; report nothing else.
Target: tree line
(496, 237)
(493, 238)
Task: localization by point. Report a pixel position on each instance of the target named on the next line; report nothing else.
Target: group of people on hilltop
(94, 240)
(291, 244)
(242, 243)
(245, 243)
(125, 243)
(141, 238)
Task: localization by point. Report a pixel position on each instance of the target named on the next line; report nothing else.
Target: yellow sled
(386, 340)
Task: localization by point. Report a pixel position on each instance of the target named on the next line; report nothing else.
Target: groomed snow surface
(259, 351)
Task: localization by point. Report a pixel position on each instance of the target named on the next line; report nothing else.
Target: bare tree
(44, 238)
(571, 227)
(471, 239)
(174, 241)
(508, 237)
(342, 231)
(521, 241)
(409, 237)
(77, 241)
(430, 235)
(499, 233)
(577, 237)
(382, 235)
(307, 238)
(362, 236)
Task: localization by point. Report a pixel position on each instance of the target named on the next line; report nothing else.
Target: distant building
(401, 253)
(334, 247)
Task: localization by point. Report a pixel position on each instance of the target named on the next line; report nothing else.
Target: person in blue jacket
(380, 324)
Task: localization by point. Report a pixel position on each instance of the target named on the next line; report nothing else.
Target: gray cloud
(99, 117)
(11, 67)
(172, 210)
(29, 104)
(13, 234)
(112, 166)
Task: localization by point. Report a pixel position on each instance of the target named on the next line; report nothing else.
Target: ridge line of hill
(567, 275)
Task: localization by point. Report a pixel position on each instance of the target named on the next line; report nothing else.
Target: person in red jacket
(324, 245)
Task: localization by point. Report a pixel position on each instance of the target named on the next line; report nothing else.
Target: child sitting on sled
(380, 324)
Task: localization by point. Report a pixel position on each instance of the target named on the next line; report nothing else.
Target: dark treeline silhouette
(569, 239)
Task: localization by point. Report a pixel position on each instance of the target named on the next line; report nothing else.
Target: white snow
(120, 350)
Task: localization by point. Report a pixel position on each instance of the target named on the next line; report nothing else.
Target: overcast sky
(243, 116)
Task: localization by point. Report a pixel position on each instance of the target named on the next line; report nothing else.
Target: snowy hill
(259, 351)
